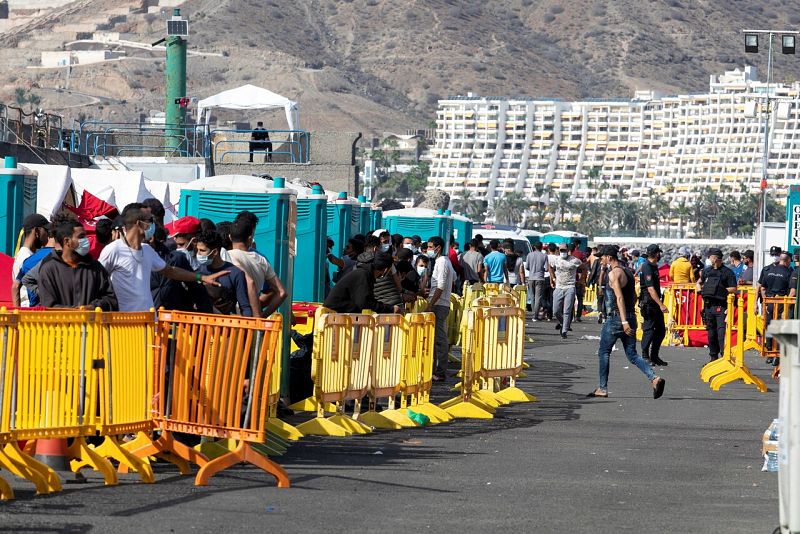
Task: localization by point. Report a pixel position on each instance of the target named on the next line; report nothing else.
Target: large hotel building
(674, 145)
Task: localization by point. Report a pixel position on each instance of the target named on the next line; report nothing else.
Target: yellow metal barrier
(420, 347)
(8, 324)
(387, 367)
(520, 292)
(212, 380)
(731, 366)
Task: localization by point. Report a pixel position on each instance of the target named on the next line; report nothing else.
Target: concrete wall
(37, 4)
(333, 147)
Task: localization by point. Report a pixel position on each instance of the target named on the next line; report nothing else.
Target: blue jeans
(612, 331)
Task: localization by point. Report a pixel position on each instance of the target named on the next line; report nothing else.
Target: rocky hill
(381, 65)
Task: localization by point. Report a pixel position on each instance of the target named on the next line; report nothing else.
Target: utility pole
(175, 78)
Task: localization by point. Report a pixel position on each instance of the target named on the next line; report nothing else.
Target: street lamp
(751, 38)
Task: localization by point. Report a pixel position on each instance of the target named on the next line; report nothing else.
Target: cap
(684, 251)
(183, 225)
(609, 250)
(653, 249)
(715, 252)
(775, 251)
(34, 220)
(634, 252)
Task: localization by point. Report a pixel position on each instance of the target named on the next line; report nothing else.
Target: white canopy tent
(249, 97)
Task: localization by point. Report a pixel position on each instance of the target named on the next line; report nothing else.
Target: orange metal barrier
(212, 379)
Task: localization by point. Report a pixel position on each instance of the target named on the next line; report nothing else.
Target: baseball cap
(684, 251)
(184, 225)
(715, 252)
(653, 249)
(35, 220)
(609, 250)
(775, 251)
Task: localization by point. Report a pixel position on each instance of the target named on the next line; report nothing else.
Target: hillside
(381, 65)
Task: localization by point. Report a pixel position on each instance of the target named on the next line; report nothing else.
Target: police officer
(715, 284)
(653, 326)
(775, 281)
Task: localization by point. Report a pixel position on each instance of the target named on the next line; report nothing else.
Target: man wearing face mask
(35, 237)
(354, 293)
(442, 280)
(231, 297)
(748, 256)
(172, 294)
(70, 278)
(184, 231)
(774, 278)
(130, 261)
(653, 309)
(715, 284)
(563, 279)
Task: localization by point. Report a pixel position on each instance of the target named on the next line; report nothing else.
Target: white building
(674, 145)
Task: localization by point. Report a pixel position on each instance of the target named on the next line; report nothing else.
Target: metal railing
(293, 144)
(98, 138)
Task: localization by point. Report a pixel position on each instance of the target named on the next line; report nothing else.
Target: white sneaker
(534, 320)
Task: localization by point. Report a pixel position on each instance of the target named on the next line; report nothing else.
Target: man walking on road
(536, 263)
(563, 279)
(495, 264)
(715, 284)
(621, 324)
(652, 307)
(442, 281)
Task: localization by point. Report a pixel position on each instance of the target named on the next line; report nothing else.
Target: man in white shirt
(35, 236)
(130, 260)
(439, 303)
(563, 279)
(256, 267)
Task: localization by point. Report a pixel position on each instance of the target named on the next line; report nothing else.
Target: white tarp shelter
(52, 186)
(249, 97)
(118, 188)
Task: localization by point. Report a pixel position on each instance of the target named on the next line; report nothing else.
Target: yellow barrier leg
(469, 410)
(489, 398)
(242, 453)
(111, 448)
(319, 426)
(350, 424)
(6, 493)
(433, 412)
(83, 456)
(378, 420)
(514, 394)
(712, 369)
(740, 373)
(43, 477)
(310, 405)
(283, 429)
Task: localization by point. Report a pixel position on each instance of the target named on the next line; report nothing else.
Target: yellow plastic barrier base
(514, 394)
(740, 373)
(468, 410)
(457, 400)
(490, 398)
(6, 493)
(712, 369)
(111, 448)
(348, 423)
(399, 417)
(17, 462)
(310, 405)
(319, 426)
(526, 365)
(85, 456)
(434, 413)
(378, 420)
(283, 429)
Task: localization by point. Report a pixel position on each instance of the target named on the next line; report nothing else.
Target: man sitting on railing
(259, 140)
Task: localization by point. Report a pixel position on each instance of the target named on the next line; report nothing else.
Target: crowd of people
(136, 263)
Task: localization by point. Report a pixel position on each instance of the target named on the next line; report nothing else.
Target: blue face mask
(83, 246)
(431, 254)
(203, 260)
(150, 232)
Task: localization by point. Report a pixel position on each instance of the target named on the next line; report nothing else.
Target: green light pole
(175, 77)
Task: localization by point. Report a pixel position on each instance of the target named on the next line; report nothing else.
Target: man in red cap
(184, 231)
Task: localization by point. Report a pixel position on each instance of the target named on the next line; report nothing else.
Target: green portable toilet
(365, 215)
(462, 229)
(19, 201)
(532, 236)
(221, 198)
(311, 262)
(376, 218)
(565, 237)
(339, 224)
(419, 221)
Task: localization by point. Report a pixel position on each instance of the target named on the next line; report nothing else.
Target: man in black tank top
(621, 323)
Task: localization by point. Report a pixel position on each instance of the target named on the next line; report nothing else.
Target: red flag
(91, 208)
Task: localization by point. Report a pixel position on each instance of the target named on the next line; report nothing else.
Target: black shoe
(563, 335)
(658, 390)
(569, 329)
(770, 361)
(712, 358)
(558, 326)
(599, 319)
(578, 320)
(658, 361)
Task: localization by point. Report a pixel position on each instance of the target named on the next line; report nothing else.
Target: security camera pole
(175, 73)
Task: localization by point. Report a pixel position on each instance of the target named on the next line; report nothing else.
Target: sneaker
(558, 326)
(563, 335)
(534, 320)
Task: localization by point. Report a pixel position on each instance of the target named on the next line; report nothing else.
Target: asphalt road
(688, 462)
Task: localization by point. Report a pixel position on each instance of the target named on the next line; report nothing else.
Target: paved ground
(689, 462)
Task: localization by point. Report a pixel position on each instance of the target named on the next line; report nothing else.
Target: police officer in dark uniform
(715, 284)
(775, 281)
(653, 326)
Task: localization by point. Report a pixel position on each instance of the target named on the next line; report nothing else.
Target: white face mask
(422, 270)
(385, 247)
(411, 247)
(564, 255)
(776, 259)
(83, 246)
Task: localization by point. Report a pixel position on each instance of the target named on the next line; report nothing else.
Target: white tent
(249, 97)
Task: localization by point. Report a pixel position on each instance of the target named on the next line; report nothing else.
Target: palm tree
(469, 204)
(562, 206)
(510, 208)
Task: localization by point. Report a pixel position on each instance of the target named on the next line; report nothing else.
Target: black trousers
(653, 331)
(715, 326)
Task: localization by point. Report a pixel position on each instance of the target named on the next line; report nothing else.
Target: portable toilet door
(462, 230)
(221, 198)
(419, 221)
(365, 215)
(339, 226)
(311, 264)
(19, 201)
(376, 218)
